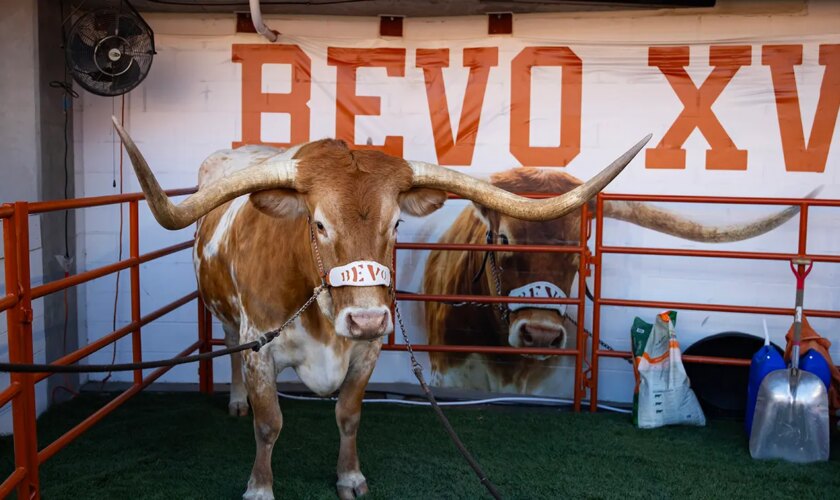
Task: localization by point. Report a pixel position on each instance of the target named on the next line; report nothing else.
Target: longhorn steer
(264, 214)
(551, 274)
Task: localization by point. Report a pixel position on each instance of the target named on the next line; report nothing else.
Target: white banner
(745, 117)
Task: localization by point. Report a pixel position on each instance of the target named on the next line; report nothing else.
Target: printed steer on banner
(529, 274)
(265, 215)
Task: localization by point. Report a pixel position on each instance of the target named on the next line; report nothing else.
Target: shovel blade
(791, 418)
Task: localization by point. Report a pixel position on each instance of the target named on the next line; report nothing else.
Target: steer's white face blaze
(349, 232)
(353, 201)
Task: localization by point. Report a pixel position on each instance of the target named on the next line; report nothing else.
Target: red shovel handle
(801, 269)
(801, 275)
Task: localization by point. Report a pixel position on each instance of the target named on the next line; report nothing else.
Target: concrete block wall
(21, 153)
(36, 139)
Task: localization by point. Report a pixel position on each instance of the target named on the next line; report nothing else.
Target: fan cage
(109, 51)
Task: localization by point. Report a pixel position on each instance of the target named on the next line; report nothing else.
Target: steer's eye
(320, 227)
(397, 224)
(503, 239)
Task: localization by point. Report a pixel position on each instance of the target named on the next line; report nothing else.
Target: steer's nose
(368, 323)
(535, 335)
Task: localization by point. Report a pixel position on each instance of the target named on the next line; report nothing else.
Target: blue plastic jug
(815, 363)
(766, 360)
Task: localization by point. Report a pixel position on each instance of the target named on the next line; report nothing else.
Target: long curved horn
(665, 221)
(437, 177)
(270, 174)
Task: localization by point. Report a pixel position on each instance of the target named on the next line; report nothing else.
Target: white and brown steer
(256, 208)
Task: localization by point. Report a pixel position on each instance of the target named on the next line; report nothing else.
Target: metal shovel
(791, 412)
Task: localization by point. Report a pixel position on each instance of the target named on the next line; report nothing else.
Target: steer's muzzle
(537, 328)
(364, 323)
(541, 335)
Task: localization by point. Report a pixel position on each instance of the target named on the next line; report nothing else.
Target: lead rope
(254, 345)
(417, 369)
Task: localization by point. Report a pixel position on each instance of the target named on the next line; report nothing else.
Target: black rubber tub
(722, 390)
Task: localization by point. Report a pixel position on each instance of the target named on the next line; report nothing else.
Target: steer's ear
(421, 201)
(279, 202)
(484, 214)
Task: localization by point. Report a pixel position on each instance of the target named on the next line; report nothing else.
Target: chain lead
(271, 335)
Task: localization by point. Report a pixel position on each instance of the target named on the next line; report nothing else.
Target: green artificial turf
(178, 445)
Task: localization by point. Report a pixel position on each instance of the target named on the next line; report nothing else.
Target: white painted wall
(190, 106)
(20, 147)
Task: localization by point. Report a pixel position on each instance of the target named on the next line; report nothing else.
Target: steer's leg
(238, 404)
(351, 483)
(260, 380)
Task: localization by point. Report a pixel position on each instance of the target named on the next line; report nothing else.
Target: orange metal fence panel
(17, 303)
(601, 250)
(114, 336)
(13, 481)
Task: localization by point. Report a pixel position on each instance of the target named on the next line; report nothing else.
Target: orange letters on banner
(432, 61)
(800, 157)
(520, 106)
(697, 107)
(255, 102)
(348, 104)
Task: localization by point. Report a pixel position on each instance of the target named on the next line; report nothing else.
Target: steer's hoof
(238, 408)
(258, 494)
(350, 493)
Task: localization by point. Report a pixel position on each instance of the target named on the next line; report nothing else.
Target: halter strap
(356, 273)
(316, 252)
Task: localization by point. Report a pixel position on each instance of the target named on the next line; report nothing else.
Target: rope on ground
(417, 368)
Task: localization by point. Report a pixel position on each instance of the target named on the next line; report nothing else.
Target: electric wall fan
(109, 51)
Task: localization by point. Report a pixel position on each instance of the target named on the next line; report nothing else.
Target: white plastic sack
(663, 392)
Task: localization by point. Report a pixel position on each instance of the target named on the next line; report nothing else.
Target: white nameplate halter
(359, 273)
(540, 290)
